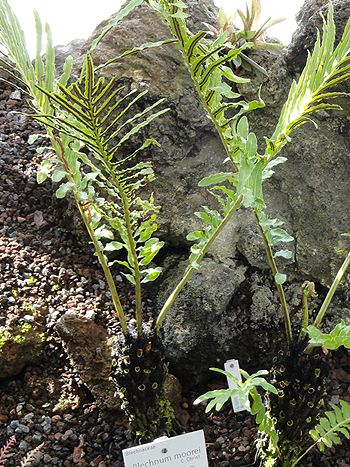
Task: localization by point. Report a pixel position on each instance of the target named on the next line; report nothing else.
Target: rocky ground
(45, 271)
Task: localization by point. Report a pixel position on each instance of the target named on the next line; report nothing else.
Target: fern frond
(327, 433)
(326, 67)
(4, 451)
(339, 336)
(333, 424)
(103, 117)
(18, 60)
(243, 389)
(211, 64)
(250, 398)
(31, 456)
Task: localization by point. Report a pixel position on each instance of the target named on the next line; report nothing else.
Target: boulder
(21, 344)
(198, 325)
(229, 308)
(89, 350)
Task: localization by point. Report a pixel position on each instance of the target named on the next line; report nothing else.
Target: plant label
(232, 366)
(186, 450)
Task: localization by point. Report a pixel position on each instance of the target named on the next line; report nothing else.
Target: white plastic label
(232, 366)
(186, 450)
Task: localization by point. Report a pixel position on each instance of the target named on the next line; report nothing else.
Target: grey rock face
(230, 306)
(199, 323)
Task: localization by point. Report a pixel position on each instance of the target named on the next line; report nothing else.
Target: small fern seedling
(31, 456)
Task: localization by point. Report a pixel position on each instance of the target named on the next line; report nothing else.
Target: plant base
(139, 371)
(301, 381)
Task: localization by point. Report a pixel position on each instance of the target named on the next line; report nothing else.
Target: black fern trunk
(139, 371)
(301, 381)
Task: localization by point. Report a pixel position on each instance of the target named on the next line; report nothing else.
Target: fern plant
(333, 424)
(90, 124)
(299, 369)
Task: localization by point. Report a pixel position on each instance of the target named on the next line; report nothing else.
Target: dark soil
(44, 266)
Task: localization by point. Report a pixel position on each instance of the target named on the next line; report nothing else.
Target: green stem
(133, 252)
(190, 270)
(305, 308)
(331, 291)
(303, 455)
(280, 290)
(107, 272)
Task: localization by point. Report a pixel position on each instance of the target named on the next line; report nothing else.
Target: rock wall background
(230, 309)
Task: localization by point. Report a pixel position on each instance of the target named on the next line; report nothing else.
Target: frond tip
(326, 67)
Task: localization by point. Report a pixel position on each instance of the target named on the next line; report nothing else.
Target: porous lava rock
(21, 344)
(89, 350)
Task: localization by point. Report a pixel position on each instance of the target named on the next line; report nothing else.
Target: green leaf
(114, 246)
(281, 235)
(42, 149)
(268, 172)
(130, 278)
(44, 170)
(209, 216)
(58, 175)
(196, 235)
(280, 278)
(33, 138)
(325, 434)
(286, 254)
(103, 232)
(151, 274)
(339, 336)
(149, 251)
(251, 145)
(62, 191)
(215, 179)
(243, 127)
(67, 70)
